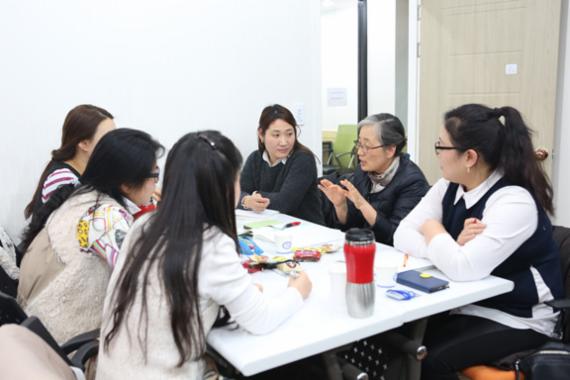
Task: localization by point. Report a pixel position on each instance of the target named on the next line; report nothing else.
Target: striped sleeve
(55, 180)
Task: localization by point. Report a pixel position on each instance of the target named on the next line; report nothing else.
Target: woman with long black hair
(487, 216)
(179, 264)
(74, 239)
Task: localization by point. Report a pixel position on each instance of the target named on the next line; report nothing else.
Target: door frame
(413, 77)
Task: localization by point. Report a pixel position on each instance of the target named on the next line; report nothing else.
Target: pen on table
(406, 257)
(287, 225)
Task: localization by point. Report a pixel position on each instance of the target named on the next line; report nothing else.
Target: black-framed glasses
(366, 148)
(438, 147)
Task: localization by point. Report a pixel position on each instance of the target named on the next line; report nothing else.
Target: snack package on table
(307, 255)
(256, 263)
(322, 249)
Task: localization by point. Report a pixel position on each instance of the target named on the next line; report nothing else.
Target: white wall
(561, 167)
(166, 67)
(381, 56)
(339, 52)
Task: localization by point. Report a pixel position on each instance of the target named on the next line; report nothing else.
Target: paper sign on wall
(336, 97)
(511, 69)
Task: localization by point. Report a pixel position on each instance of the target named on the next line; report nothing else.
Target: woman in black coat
(384, 188)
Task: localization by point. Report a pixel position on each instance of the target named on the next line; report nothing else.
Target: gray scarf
(381, 180)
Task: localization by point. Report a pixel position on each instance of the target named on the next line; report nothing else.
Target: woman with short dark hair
(487, 216)
(385, 186)
(74, 239)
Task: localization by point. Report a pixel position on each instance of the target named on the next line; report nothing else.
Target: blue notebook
(421, 281)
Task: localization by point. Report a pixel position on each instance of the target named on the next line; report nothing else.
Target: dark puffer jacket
(392, 204)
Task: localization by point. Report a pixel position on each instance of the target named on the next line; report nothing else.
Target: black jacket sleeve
(247, 178)
(409, 196)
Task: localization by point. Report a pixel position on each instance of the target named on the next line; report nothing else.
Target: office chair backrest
(35, 325)
(10, 310)
(562, 237)
(346, 134)
(8, 285)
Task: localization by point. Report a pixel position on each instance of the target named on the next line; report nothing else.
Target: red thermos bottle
(359, 250)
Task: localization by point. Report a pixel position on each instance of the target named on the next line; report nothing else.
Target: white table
(320, 326)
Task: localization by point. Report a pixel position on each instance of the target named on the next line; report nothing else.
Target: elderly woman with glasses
(384, 188)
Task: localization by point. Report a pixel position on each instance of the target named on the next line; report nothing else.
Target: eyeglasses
(155, 175)
(365, 148)
(437, 147)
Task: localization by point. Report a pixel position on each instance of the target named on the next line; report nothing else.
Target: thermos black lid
(359, 235)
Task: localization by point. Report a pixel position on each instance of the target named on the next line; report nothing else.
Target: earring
(468, 169)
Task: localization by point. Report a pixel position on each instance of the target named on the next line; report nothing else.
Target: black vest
(539, 251)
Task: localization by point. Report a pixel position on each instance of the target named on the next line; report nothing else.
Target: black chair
(392, 355)
(562, 237)
(10, 310)
(85, 345)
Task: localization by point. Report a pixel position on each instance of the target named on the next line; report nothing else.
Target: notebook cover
(261, 223)
(413, 279)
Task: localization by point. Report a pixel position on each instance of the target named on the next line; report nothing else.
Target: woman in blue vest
(487, 216)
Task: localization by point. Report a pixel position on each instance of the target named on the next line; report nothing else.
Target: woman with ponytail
(179, 265)
(74, 240)
(83, 127)
(487, 216)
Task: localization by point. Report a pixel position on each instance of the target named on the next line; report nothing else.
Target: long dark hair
(122, 157)
(198, 193)
(507, 146)
(80, 124)
(278, 112)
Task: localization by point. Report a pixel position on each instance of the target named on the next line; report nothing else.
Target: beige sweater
(222, 281)
(59, 284)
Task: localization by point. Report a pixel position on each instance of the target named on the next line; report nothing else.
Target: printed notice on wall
(336, 97)
(511, 69)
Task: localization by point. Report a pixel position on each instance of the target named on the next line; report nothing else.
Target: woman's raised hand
(335, 193)
(353, 194)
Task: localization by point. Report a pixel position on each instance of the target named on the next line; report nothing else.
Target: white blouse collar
(472, 196)
(266, 159)
(131, 207)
